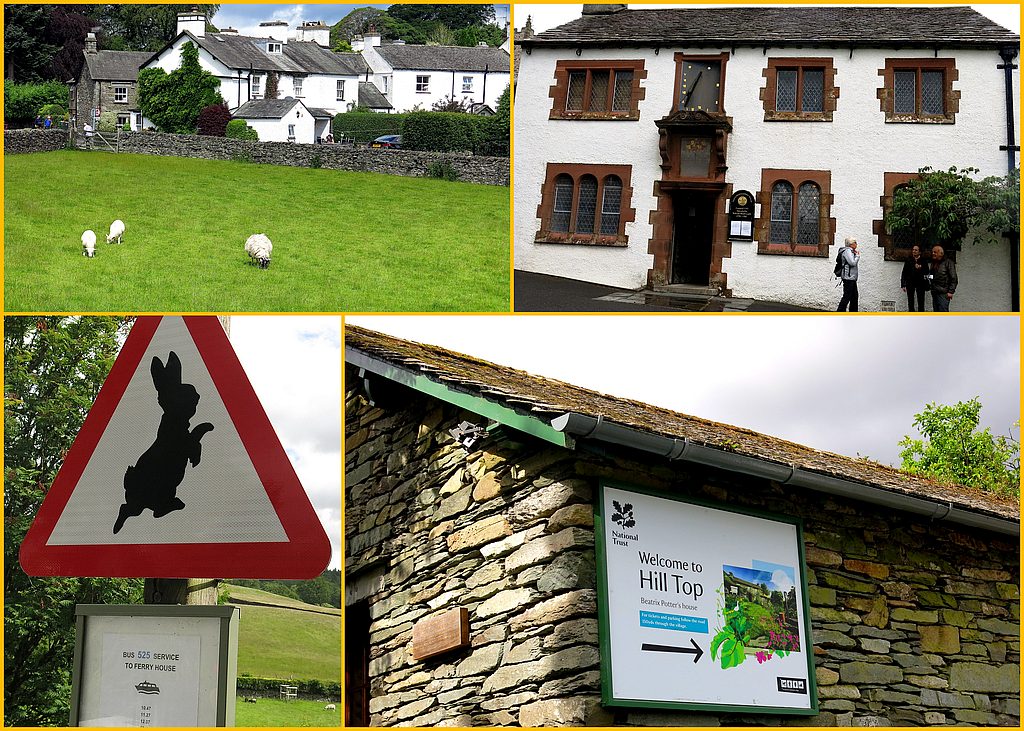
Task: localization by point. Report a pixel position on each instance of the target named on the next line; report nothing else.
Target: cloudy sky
(294, 365)
(246, 18)
(549, 15)
(850, 385)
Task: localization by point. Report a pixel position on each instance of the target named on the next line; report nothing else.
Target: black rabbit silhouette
(153, 481)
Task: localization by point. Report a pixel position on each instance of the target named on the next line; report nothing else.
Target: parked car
(392, 141)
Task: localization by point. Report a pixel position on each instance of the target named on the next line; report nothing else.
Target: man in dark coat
(943, 278)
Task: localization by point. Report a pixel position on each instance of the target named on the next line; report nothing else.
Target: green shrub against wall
(22, 102)
(237, 129)
(363, 127)
(444, 131)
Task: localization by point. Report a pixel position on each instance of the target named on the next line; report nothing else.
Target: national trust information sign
(701, 607)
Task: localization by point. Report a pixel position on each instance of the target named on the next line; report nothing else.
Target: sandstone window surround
(700, 82)
(120, 94)
(897, 248)
(601, 90)
(585, 204)
(799, 90)
(919, 90)
(795, 213)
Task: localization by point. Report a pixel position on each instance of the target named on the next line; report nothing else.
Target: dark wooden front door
(691, 242)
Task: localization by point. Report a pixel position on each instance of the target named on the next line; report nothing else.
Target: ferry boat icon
(148, 688)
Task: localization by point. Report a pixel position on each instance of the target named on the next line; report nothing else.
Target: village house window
(387, 83)
(291, 133)
(467, 84)
(896, 246)
(123, 119)
(340, 90)
(297, 86)
(799, 90)
(919, 90)
(795, 208)
(423, 84)
(585, 204)
(121, 94)
(273, 47)
(700, 83)
(256, 85)
(597, 89)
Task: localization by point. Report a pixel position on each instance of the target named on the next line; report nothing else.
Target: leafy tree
(453, 16)
(141, 27)
(43, 42)
(441, 35)
(941, 207)
(107, 121)
(22, 102)
(173, 101)
(472, 35)
(341, 45)
(237, 129)
(213, 120)
(954, 450)
(450, 104)
(53, 369)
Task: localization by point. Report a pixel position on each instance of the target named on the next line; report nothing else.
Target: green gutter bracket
(535, 426)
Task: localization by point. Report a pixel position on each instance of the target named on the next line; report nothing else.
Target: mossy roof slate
(842, 27)
(546, 399)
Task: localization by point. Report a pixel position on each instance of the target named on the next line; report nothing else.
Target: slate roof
(444, 58)
(546, 398)
(116, 65)
(296, 57)
(831, 26)
(370, 96)
(266, 108)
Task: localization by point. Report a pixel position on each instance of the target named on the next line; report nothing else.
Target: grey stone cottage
(108, 82)
(492, 521)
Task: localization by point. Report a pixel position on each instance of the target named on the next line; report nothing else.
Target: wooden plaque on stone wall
(440, 633)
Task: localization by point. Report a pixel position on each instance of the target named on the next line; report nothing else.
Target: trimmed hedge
(444, 131)
(317, 688)
(22, 102)
(364, 127)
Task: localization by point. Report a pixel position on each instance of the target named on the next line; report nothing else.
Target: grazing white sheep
(330, 707)
(116, 231)
(258, 247)
(89, 243)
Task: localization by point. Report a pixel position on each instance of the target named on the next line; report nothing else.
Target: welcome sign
(701, 607)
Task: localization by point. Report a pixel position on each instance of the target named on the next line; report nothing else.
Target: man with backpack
(846, 269)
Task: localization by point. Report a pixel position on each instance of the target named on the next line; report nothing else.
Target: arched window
(586, 205)
(808, 214)
(611, 205)
(562, 208)
(782, 213)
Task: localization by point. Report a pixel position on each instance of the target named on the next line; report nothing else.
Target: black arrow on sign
(696, 651)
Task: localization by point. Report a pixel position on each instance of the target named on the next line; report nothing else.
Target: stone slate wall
(914, 623)
(470, 168)
(17, 141)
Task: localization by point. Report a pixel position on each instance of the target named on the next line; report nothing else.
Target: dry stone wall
(410, 163)
(17, 141)
(914, 623)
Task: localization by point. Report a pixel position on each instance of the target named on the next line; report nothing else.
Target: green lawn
(342, 241)
(294, 713)
(285, 642)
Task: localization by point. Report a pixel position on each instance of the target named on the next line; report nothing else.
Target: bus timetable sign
(701, 607)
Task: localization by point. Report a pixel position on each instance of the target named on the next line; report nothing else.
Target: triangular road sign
(176, 473)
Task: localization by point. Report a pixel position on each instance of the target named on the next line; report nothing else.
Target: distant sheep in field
(116, 231)
(330, 707)
(89, 243)
(258, 247)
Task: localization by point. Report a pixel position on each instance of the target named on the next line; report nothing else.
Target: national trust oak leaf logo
(623, 514)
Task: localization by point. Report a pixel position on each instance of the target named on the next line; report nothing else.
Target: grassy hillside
(289, 640)
(342, 241)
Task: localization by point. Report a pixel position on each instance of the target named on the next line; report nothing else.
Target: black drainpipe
(1008, 53)
(453, 85)
(483, 99)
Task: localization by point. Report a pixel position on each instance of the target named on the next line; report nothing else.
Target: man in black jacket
(943, 278)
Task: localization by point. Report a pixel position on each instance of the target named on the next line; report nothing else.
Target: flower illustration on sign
(623, 514)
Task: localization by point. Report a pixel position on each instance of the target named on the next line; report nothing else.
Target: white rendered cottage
(419, 76)
(642, 124)
(285, 120)
(306, 67)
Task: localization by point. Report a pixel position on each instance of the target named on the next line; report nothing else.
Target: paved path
(544, 293)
